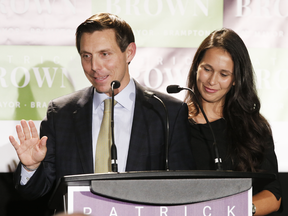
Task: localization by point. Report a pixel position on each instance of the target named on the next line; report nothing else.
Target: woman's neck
(213, 111)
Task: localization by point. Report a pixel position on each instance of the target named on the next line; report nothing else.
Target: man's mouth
(101, 78)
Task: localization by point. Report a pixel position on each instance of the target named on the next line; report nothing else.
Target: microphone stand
(150, 95)
(176, 89)
(114, 85)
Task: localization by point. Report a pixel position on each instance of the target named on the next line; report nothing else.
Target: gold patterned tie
(103, 148)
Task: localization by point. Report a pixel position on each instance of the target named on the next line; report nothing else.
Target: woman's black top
(204, 156)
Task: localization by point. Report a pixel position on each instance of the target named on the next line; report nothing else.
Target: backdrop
(39, 61)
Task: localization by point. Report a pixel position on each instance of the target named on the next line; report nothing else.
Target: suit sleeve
(180, 153)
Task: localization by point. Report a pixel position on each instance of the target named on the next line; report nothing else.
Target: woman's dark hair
(248, 131)
(102, 21)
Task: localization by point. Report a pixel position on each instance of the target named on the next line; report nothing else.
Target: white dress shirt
(123, 118)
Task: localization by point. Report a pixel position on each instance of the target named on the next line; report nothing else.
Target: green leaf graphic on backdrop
(34, 98)
(30, 78)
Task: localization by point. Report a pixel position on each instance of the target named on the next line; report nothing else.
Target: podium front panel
(81, 199)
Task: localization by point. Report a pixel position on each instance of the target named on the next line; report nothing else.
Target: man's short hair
(102, 21)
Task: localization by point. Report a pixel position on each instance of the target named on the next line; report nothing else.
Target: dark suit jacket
(68, 126)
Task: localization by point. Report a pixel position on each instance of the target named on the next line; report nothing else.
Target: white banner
(39, 61)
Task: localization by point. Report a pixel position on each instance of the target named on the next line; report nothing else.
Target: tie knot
(107, 104)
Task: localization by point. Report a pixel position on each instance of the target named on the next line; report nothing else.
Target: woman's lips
(210, 90)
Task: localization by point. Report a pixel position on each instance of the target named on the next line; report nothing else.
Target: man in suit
(71, 127)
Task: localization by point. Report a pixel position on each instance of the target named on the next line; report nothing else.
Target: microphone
(176, 89)
(150, 94)
(114, 85)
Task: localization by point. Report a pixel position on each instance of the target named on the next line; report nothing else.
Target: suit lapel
(82, 118)
(139, 131)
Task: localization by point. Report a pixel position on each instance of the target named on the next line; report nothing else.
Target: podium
(163, 193)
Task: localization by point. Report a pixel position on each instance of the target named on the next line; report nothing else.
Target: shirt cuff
(25, 175)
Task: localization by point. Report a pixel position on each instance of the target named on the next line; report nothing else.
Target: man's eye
(85, 56)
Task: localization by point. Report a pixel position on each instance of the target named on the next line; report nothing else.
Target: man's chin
(103, 90)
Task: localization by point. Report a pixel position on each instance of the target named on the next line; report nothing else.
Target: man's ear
(130, 52)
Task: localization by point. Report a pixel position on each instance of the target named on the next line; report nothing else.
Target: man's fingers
(20, 133)
(26, 129)
(14, 142)
(33, 129)
(43, 142)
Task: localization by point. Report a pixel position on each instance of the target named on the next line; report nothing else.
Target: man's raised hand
(31, 150)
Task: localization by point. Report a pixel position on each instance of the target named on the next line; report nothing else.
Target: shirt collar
(125, 98)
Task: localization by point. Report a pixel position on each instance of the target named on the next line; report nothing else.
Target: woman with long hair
(222, 79)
